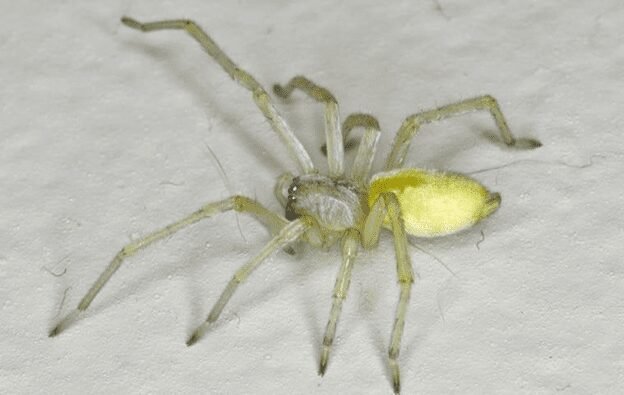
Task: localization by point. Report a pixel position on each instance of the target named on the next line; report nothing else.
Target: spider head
(334, 204)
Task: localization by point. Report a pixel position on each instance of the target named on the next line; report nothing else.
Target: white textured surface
(103, 135)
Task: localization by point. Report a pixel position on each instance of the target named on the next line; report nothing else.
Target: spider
(347, 207)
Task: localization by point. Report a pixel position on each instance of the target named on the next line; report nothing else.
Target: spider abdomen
(435, 203)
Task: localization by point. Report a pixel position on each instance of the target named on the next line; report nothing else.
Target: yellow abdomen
(434, 203)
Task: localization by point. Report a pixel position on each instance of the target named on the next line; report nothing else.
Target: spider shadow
(304, 265)
(200, 88)
(313, 319)
(494, 138)
(63, 288)
(141, 282)
(523, 142)
(242, 302)
(442, 150)
(426, 321)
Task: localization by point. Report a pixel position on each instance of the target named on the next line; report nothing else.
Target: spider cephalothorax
(335, 204)
(346, 206)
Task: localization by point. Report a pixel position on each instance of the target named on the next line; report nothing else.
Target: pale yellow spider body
(434, 203)
(346, 205)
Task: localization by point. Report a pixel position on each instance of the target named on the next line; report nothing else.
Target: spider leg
(413, 123)
(238, 203)
(358, 120)
(352, 121)
(388, 204)
(349, 251)
(363, 161)
(406, 279)
(372, 224)
(333, 133)
(260, 96)
(366, 153)
(288, 234)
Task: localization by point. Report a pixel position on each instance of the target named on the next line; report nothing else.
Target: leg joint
(125, 251)
(241, 203)
(237, 278)
(489, 101)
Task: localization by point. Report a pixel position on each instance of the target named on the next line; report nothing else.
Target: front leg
(246, 80)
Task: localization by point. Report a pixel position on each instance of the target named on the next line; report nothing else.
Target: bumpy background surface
(104, 134)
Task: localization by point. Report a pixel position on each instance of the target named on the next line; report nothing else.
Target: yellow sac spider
(348, 206)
